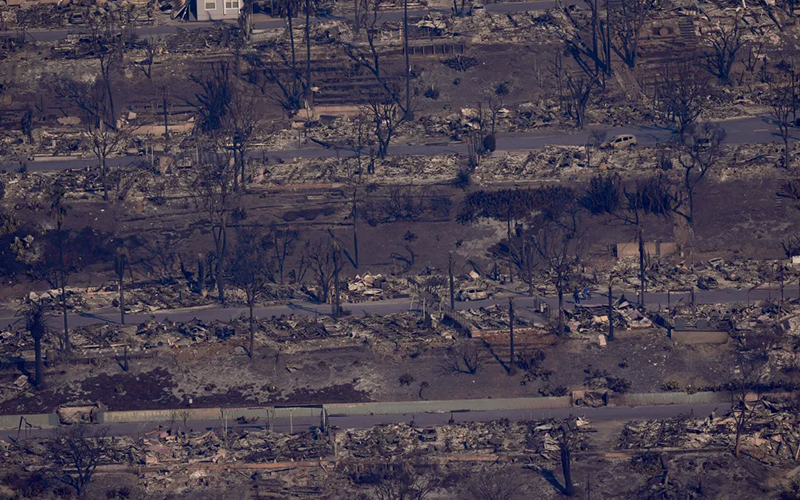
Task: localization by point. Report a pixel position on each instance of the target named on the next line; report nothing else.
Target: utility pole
(610, 314)
(511, 333)
(336, 309)
(780, 311)
(120, 262)
(450, 275)
(409, 115)
(166, 113)
(355, 225)
(642, 279)
(608, 38)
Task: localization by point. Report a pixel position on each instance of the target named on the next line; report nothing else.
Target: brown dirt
(343, 393)
(119, 392)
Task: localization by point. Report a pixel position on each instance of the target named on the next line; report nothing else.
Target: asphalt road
(262, 22)
(610, 413)
(523, 304)
(741, 131)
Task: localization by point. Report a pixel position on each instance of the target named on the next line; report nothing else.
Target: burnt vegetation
(253, 216)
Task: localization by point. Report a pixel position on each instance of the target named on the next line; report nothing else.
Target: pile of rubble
(149, 335)
(594, 319)
(51, 299)
(367, 287)
(566, 162)
(474, 438)
(430, 284)
(517, 27)
(394, 331)
(239, 445)
(16, 341)
(391, 170)
(286, 332)
(495, 318)
(668, 274)
(296, 328)
(770, 432)
(143, 298)
(760, 315)
(202, 39)
(170, 446)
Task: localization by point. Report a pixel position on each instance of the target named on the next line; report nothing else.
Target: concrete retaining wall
(115, 417)
(40, 420)
(670, 398)
(447, 406)
(393, 408)
(700, 336)
(630, 250)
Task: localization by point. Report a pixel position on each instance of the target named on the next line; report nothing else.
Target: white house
(214, 10)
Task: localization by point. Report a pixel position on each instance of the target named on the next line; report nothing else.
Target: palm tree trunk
(252, 329)
(511, 333)
(122, 296)
(408, 113)
(294, 60)
(566, 468)
(640, 237)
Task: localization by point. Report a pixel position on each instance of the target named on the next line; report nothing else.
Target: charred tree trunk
(452, 283)
(566, 469)
(355, 229)
(642, 278)
(308, 49)
(39, 373)
(356, 19)
(201, 275)
(236, 164)
(511, 333)
(294, 58)
(610, 315)
(122, 297)
(336, 307)
(107, 80)
(409, 115)
(62, 278)
(222, 244)
(166, 114)
(560, 311)
(740, 420)
(508, 236)
(103, 169)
